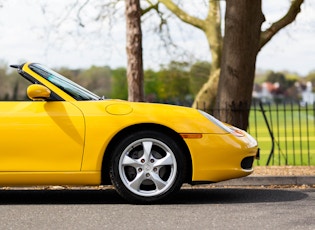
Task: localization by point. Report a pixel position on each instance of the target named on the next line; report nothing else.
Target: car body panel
(41, 136)
(217, 162)
(102, 128)
(18, 179)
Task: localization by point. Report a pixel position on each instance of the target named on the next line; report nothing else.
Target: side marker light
(191, 135)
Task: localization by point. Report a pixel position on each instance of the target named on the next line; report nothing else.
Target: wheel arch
(140, 127)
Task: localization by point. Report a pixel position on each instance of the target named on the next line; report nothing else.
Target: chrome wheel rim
(148, 167)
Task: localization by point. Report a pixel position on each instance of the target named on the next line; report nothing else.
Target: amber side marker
(191, 135)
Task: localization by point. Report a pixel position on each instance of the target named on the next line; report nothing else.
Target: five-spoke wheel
(147, 166)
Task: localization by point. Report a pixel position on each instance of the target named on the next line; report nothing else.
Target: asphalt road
(214, 208)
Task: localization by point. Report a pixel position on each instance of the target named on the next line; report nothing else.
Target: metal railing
(285, 132)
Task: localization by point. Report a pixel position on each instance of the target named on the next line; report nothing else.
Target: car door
(39, 136)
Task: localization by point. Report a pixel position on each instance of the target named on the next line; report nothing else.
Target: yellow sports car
(66, 135)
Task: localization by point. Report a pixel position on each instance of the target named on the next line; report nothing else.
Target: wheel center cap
(147, 168)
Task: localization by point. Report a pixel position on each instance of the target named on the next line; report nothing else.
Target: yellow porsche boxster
(67, 135)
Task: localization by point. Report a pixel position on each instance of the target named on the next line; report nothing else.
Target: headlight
(228, 128)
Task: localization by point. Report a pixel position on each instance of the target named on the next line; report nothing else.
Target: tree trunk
(243, 20)
(205, 99)
(134, 51)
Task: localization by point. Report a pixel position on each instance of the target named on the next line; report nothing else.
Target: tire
(147, 167)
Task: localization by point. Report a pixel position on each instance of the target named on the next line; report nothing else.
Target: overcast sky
(27, 33)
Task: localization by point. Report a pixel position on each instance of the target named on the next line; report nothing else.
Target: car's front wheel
(147, 166)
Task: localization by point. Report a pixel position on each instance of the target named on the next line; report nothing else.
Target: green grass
(293, 128)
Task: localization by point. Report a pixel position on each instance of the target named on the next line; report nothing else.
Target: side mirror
(38, 92)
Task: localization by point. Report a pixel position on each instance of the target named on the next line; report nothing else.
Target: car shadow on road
(236, 195)
(184, 196)
(60, 196)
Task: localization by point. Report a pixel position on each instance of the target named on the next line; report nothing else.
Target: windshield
(74, 90)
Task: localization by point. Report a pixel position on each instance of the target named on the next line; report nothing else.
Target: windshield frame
(73, 89)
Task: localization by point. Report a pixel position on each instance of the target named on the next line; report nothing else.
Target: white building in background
(308, 97)
(268, 91)
(265, 92)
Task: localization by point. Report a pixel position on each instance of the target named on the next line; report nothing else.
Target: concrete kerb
(244, 181)
(269, 180)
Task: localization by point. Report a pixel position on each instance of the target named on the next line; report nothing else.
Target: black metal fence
(285, 132)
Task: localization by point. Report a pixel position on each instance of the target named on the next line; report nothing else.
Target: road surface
(201, 208)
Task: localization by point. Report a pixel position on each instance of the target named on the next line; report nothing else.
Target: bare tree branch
(151, 7)
(108, 11)
(290, 16)
(79, 12)
(65, 15)
(184, 16)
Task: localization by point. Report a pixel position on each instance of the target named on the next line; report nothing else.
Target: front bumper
(219, 157)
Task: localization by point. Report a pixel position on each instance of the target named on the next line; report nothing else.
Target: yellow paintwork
(41, 136)
(63, 142)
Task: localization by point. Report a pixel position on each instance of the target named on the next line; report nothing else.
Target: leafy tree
(97, 79)
(174, 83)
(151, 85)
(72, 74)
(311, 77)
(119, 84)
(13, 86)
(199, 74)
(2, 83)
(276, 77)
(284, 81)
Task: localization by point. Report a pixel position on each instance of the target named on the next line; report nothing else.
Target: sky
(48, 32)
